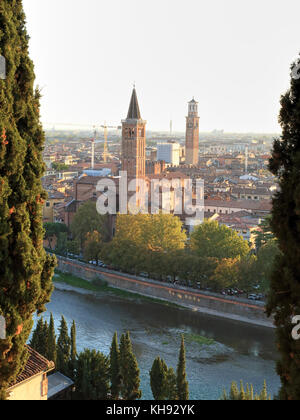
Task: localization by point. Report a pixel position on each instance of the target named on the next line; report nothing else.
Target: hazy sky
(234, 56)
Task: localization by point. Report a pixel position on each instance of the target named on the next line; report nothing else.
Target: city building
(169, 152)
(32, 383)
(134, 141)
(192, 134)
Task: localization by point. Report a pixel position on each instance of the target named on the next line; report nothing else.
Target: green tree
(182, 383)
(73, 247)
(226, 274)
(92, 376)
(25, 269)
(284, 297)
(266, 258)
(115, 368)
(53, 230)
(171, 385)
(264, 233)
(93, 246)
(143, 242)
(51, 344)
(73, 357)
(248, 276)
(130, 372)
(62, 244)
(218, 241)
(59, 167)
(63, 348)
(240, 394)
(39, 340)
(158, 379)
(87, 220)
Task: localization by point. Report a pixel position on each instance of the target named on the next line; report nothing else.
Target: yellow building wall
(28, 391)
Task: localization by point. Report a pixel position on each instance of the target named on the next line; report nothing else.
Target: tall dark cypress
(182, 383)
(130, 371)
(73, 358)
(25, 270)
(115, 373)
(284, 299)
(63, 348)
(158, 379)
(51, 348)
(38, 337)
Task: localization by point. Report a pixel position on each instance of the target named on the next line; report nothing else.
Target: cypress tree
(73, 357)
(25, 270)
(130, 372)
(171, 391)
(92, 376)
(234, 392)
(284, 298)
(37, 341)
(63, 348)
(158, 379)
(51, 350)
(182, 384)
(115, 374)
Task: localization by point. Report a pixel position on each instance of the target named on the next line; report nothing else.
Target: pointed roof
(193, 101)
(134, 109)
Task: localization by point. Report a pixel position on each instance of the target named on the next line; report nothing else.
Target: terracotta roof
(264, 205)
(36, 364)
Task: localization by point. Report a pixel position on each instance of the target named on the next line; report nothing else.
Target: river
(239, 351)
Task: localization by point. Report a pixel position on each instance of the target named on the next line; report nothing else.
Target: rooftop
(35, 365)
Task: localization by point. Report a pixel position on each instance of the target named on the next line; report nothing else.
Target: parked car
(254, 297)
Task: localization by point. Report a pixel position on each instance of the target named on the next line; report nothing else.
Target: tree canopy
(25, 270)
(210, 239)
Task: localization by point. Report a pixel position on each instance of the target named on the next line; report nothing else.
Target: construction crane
(105, 128)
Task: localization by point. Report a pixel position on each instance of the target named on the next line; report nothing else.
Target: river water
(239, 351)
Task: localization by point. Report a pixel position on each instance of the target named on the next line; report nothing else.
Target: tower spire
(134, 109)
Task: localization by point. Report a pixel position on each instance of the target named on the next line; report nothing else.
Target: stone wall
(214, 304)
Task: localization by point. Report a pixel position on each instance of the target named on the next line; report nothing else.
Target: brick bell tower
(134, 141)
(192, 134)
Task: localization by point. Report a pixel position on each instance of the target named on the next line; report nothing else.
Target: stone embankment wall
(214, 304)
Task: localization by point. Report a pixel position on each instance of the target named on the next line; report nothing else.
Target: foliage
(284, 296)
(93, 246)
(63, 348)
(51, 342)
(266, 258)
(87, 220)
(115, 368)
(53, 229)
(59, 167)
(263, 234)
(182, 383)
(218, 241)
(39, 340)
(158, 379)
(73, 356)
(242, 394)
(92, 376)
(130, 373)
(25, 269)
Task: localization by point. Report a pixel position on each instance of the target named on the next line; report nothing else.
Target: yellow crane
(105, 128)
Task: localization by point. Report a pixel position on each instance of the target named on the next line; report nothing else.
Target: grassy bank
(199, 339)
(101, 286)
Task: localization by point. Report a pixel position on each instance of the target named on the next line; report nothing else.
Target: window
(47, 204)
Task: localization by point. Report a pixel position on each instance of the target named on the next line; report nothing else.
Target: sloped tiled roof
(36, 364)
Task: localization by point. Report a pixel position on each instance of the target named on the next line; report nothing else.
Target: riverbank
(69, 282)
(218, 350)
(101, 285)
